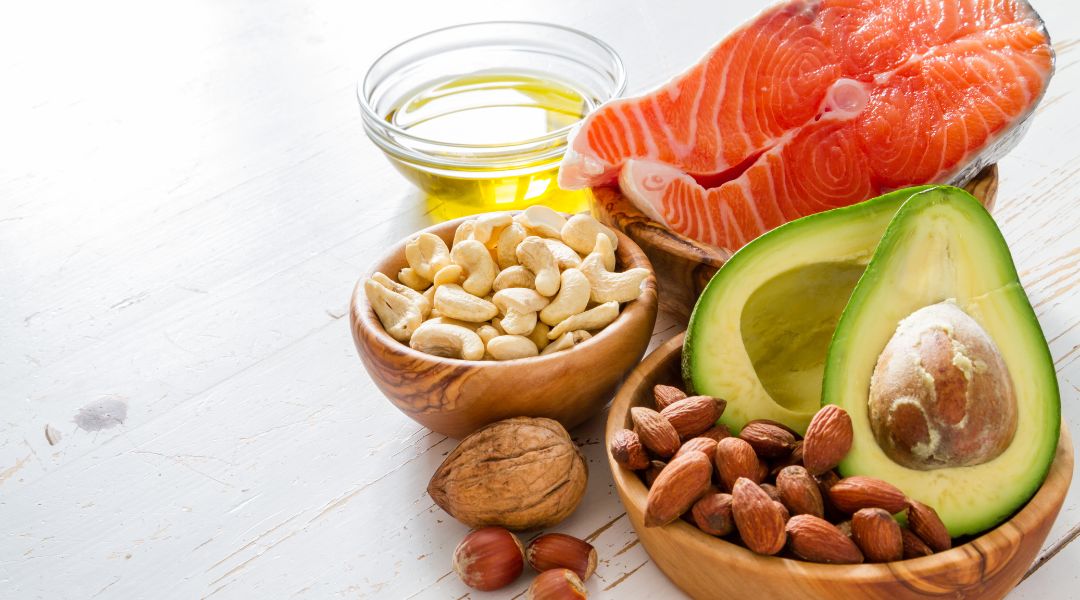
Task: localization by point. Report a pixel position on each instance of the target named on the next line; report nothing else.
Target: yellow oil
(492, 109)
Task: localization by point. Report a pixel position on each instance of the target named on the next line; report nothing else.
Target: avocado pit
(941, 395)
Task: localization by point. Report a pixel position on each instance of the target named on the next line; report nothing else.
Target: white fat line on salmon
(631, 144)
(692, 134)
(670, 135)
(744, 185)
(650, 143)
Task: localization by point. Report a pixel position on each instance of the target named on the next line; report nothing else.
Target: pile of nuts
(770, 488)
(492, 558)
(510, 286)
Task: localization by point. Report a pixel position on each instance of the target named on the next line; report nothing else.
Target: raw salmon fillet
(814, 105)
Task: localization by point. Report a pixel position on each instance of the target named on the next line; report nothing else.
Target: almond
(716, 432)
(677, 487)
(656, 433)
(825, 482)
(712, 514)
(784, 514)
(558, 550)
(877, 534)
(816, 540)
(757, 517)
(793, 458)
(794, 433)
(691, 416)
(627, 451)
(853, 493)
(734, 459)
(771, 490)
(914, 547)
(768, 440)
(799, 492)
(666, 395)
(828, 439)
(844, 527)
(655, 466)
(699, 444)
(925, 523)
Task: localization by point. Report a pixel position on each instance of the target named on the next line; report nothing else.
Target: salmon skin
(815, 105)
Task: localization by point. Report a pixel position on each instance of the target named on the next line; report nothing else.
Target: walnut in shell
(520, 473)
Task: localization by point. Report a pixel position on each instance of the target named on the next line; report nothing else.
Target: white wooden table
(186, 198)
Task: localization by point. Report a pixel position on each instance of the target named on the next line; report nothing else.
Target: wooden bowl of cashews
(435, 374)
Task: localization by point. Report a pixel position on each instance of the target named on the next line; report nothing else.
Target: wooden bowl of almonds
(763, 539)
(500, 315)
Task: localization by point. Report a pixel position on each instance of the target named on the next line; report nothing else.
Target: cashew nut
(516, 276)
(448, 321)
(427, 253)
(464, 232)
(414, 296)
(541, 220)
(509, 347)
(486, 224)
(606, 286)
(412, 279)
(454, 302)
(572, 299)
(564, 255)
(603, 248)
(519, 300)
(567, 341)
(580, 231)
(497, 324)
(430, 295)
(448, 274)
(536, 257)
(539, 335)
(450, 341)
(486, 332)
(400, 317)
(506, 249)
(594, 318)
(480, 270)
(518, 323)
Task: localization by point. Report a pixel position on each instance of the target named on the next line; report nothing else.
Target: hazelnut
(555, 550)
(941, 395)
(489, 558)
(556, 584)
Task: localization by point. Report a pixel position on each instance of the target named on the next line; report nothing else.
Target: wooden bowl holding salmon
(703, 566)
(456, 397)
(683, 266)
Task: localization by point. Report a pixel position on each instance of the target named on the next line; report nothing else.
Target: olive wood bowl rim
(1053, 488)
(627, 255)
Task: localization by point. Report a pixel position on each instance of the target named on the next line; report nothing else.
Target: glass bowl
(510, 174)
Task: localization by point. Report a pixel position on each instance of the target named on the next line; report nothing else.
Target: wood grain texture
(987, 567)
(685, 266)
(187, 197)
(456, 397)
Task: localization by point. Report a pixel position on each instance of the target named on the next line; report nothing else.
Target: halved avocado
(759, 332)
(943, 245)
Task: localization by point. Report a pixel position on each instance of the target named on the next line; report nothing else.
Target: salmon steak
(818, 104)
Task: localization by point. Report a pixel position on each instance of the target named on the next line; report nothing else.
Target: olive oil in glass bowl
(477, 116)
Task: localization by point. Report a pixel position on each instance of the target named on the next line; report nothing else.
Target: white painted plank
(184, 207)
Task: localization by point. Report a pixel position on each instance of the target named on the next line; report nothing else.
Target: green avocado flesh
(760, 330)
(943, 245)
